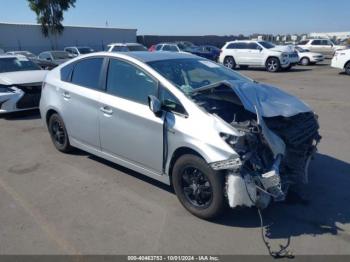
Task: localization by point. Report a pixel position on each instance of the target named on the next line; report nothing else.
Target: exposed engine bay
(274, 150)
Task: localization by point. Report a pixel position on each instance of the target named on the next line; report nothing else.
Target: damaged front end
(278, 136)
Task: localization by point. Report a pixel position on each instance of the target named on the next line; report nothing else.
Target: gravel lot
(51, 203)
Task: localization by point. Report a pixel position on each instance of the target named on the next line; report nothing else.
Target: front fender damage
(279, 138)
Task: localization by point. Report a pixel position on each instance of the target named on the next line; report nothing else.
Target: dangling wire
(283, 252)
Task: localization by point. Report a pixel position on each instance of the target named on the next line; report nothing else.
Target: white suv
(258, 53)
(341, 60)
(323, 46)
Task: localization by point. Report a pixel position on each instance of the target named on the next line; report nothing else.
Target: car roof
(145, 56)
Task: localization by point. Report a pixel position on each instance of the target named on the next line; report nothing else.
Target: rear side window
(237, 46)
(128, 81)
(159, 47)
(316, 42)
(87, 73)
(66, 73)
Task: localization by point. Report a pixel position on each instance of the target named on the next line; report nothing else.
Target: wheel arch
(346, 64)
(177, 154)
(272, 56)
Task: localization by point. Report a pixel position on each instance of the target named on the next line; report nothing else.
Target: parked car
(323, 46)
(20, 83)
(306, 57)
(258, 53)
(54, 57)
(152, 48)
(126, 47)
(341, 60)
(169, 47)
(44, 64)
(206, 51)
(78, 50)
(24, 53)
(213, 134)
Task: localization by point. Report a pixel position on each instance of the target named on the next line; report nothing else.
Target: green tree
(50, 15)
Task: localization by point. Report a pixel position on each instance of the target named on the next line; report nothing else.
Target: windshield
(14, 64)
(191, 73)
(85, 50)
(267, 45)
(137, 48)
(60, 55)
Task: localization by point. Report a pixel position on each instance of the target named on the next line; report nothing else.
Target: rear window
(14, 64)
(133, 48)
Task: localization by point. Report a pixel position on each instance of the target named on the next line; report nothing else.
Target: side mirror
(260, 49)
(155, 105)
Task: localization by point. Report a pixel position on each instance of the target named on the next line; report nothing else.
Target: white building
(331, 35)
(29, 37)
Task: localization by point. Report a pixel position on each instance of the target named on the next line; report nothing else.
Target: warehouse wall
(29, 37)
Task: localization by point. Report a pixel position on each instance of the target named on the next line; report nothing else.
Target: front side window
(252, 46)
(14, 64)
(170, 102)
(267, 45)
(87, 73)
(128, 81)
(192, 73)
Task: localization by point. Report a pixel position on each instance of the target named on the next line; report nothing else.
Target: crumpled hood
(22, 77)
(268, 100)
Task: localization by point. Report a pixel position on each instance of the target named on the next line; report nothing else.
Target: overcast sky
(200, 17)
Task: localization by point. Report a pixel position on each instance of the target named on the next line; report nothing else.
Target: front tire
(230, 62)
(198, 187)
(273, 65)
(58, 133)
(305, 61)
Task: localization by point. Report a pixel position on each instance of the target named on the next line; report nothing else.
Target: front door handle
(66, 95)
(106, 110)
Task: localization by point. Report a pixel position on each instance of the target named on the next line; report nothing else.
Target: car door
(129, 130)
(254, 54)
(316, 46)
(242, 54)
(80, 105)
(327, 47)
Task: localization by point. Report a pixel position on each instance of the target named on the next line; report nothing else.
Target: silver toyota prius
(218, 138)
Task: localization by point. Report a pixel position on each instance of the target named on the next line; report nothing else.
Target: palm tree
(50, 16)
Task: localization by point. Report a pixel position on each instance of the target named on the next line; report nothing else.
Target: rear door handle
(66, 95)
(106, 110)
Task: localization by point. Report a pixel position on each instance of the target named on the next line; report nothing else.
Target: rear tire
(273, 65)
(58, 133)
(230, 62)
(198, 187)
(305, 61)
(347, 68)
